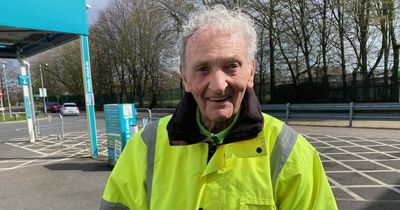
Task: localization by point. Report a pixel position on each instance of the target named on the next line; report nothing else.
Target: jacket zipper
(212, 146)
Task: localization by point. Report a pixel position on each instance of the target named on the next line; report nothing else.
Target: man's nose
(218, 82)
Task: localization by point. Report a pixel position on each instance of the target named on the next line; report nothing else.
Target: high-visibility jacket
(277, 169)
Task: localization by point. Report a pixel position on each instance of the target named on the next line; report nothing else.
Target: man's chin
(219, 116)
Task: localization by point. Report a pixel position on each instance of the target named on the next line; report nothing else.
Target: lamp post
(8, 95)
(43, 92)
(1, 104)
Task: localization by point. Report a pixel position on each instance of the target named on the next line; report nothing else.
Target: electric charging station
(120, 127)
(30, 27)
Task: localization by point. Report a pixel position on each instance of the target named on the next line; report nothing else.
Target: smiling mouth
(218, 99)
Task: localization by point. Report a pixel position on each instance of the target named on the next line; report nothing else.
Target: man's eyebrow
(205, 62)
(201, 63)
(232, 59)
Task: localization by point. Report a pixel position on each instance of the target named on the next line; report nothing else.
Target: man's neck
(206, 126)
(216, 127)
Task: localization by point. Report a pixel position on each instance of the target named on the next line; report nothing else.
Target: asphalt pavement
(52, 125)
(52, 173)
(363, 166)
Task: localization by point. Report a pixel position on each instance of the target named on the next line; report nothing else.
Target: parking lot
(364, 172)
(363, 166)
(52, 173)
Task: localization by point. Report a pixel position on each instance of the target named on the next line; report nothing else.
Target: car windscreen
(69, 105)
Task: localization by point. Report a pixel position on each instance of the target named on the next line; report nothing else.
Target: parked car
(53, 107)
(69, 109)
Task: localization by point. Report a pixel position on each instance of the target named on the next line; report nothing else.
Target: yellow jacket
(277, 169)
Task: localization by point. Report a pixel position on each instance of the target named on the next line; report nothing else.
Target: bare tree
(382, 12)
(363, 42)
(178, 11)
(139, 36)
(396, 49)
(337, 8)
(63, 74)
(324, 32)
(134, 49)
(264, 14)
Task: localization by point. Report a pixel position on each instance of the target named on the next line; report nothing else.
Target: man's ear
(250, 82)
(183, 78)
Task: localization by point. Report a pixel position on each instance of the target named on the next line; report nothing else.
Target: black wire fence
(286, 93)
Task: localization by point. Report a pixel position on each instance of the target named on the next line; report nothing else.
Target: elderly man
(218, 150)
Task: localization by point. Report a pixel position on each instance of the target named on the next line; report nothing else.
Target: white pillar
(28, 101)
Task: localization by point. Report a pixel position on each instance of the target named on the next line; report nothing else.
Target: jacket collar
(183, 130)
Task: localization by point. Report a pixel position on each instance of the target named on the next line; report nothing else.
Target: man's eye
(202, 68)
(232, 66)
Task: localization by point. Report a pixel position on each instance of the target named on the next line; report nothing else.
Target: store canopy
(28, 27)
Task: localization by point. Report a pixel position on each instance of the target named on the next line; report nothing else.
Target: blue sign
(24, 80)
(27, 104)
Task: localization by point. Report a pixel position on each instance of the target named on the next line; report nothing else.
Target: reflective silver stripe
(105, 205)
(281, 151)
(149, 136)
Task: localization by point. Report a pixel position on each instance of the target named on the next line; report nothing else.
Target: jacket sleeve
(302, 183)
(126, 186)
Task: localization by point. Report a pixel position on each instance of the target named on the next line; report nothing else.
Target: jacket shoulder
(271, 122)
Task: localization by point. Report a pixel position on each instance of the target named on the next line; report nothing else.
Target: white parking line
(46, 153)
(26, 148)
(362, 173)
(351, 193)
(44, 162)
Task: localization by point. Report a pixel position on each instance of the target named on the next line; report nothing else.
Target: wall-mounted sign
(24, 80)
(42, 92)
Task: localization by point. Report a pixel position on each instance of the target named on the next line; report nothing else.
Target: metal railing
(58, 125)
(145, 115)
(339, 111)
(161, 112)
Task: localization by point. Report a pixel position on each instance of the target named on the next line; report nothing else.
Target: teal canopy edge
(64, 16)
(28, 27)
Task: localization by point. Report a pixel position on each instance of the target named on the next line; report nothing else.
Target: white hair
(218, 17)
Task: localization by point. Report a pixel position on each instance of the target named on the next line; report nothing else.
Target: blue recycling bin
(120, 127)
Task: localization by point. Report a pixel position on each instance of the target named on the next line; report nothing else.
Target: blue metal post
(351, 113)
(89, 97)
(287, 113)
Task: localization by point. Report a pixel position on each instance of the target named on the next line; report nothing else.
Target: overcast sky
(96, 5)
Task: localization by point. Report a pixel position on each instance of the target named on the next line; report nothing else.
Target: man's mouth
(218, 99)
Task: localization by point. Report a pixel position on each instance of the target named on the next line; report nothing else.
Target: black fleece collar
(183, 130)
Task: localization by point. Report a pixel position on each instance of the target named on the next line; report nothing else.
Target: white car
(69, 109)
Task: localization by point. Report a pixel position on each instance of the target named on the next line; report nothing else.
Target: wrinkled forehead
(205, 34)
(211, 38)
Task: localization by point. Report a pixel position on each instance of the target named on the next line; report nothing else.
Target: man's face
(217, 71)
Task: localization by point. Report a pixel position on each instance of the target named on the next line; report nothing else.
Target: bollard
(287, 113)
(62, 126)
(149, 115)
(38, 127)
(351, 113)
